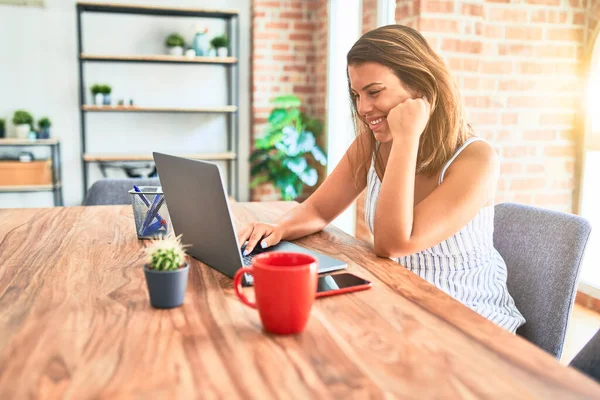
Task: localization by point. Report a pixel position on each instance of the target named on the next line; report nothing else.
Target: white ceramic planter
(222, 51)
(98, 99)
(23, 131)
(176, 51)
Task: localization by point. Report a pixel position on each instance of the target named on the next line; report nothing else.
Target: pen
(145, 200)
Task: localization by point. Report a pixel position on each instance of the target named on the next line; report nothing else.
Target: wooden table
(75, 322)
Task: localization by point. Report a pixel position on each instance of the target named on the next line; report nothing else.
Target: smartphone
(329, 285)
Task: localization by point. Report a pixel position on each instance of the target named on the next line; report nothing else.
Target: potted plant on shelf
(2, 128)
(23, 122)
(166, 272)
(97, 94)
(106, 90)
(220, 43)
(44, 124)
(281, 155)
(175, 44)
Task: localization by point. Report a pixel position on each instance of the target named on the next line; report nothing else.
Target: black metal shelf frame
(232, 21)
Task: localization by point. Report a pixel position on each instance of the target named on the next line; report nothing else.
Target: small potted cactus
(97, 94)
(106, 91)
(166, 272)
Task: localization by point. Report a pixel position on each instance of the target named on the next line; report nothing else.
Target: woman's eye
(374, 92)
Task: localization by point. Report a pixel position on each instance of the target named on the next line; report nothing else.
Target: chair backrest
(588, 358)
(115, 191)
(543, 250)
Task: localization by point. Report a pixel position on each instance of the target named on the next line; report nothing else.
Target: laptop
(197, 204)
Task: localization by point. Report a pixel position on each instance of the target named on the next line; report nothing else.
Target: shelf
(27, 142)
(148, 157)
(157, 58)
(155, 10)
(29, 188)
(223, 109)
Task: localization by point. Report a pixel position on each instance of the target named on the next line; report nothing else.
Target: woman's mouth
(376, 123)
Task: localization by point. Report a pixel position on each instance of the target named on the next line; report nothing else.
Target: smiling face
(376, 90)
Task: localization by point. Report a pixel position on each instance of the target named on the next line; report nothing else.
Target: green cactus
(166, 254)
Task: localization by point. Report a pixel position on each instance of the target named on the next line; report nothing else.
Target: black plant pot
(167, 288)
(1, 133)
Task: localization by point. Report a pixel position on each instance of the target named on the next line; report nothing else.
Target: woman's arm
(334, 195)
(400, 227)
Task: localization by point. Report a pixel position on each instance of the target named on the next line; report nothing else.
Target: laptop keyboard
(247, 260)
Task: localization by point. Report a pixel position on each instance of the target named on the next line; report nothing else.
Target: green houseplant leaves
(281, 155)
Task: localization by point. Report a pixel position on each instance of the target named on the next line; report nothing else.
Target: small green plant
(97, 88)
(166, 254)
(44, 123)
(219, 41)
(280, 156)
(2, 124)
(106, 89)
(22, 117)
(175, 40)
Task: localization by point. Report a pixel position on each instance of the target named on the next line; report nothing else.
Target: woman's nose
(364, 107)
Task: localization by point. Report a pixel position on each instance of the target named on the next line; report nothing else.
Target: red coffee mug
(285, 286)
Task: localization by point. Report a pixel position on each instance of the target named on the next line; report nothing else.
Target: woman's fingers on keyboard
(258, 231)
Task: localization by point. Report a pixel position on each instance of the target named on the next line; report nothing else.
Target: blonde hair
(406, 52)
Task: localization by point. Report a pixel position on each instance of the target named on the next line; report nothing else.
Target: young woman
(430, 183)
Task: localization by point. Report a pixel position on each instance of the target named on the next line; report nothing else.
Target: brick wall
(519, 68)
(289, 48)
(591, 23)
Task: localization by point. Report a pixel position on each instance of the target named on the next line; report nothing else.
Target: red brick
(478, 83)
(544, 2)
(496, 67)
(559, 151)
(291, 14)
(475, 10)
(579, 18)
(535, 169)
(280, 46)
(568, 51)
(303, 89)
(259, 4)
(438, 6)
(565, 34)
(477, 101)
(463, 64)
(518, 151)
(277, 25)
(549, 16)
(303, 26)
(461, 46)
(524, 33)
(576, 3)
(548, 136)
(535, 68)
(507, 14)
(284, 57)
(528, 184)
(516, 49)
(301, 37)
(439, 25)
(516, 85)
(498, 1)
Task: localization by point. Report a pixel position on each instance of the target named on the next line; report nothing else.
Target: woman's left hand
(409, 118)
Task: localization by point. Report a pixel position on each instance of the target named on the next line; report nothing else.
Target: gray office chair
(543, 250)
(588, 358)
(115, 191)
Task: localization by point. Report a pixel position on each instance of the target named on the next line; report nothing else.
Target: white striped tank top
(466, 265)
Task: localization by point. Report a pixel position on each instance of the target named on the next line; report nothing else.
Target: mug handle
(238, 287)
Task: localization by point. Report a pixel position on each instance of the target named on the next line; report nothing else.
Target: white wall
(39, 72)
(344, 29)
